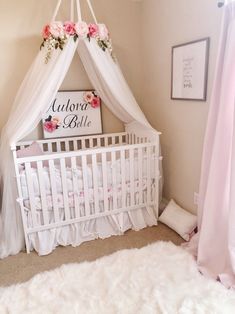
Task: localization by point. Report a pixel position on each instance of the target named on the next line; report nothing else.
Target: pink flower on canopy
(95, 102)
(88, 97)
(49, 126)
(93, 30)
(81, 29)
(69, 28)
(57, 29)
(103, 32)
(46, 31)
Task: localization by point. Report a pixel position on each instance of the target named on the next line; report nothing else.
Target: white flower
(81, 29)
(88, 97)
(103, 32)
(57, 29)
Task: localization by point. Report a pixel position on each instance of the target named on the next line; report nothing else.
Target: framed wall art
(189, 70)
(73, 113)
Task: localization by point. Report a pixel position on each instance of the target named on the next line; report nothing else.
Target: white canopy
(38, 89)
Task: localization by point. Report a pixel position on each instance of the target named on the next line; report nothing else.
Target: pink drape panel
(215, 241)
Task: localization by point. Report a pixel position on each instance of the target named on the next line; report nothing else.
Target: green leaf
(104, 44)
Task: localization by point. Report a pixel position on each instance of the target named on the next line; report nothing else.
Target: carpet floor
(22, 267)
(158, 278)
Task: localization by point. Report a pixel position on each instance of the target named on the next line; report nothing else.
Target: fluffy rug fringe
(159, 278)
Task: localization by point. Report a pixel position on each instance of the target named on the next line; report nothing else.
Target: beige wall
(21, 23)
(143, 34)
(166, 23)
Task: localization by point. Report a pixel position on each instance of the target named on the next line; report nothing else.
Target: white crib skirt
(44, 242)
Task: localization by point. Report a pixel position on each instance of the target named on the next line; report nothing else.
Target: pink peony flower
(93, 30)
(69, 28)
(81, 29)
(95, 103)
(103, 32)
(46, 31)
(88, 97)
(49, 126)
(57, 29)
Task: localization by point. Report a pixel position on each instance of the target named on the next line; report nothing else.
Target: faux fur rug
(159, 278)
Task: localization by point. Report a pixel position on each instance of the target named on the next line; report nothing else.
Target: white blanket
(77, 174)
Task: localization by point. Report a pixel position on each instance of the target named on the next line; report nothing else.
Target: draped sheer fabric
(37, 91)
(214, 244)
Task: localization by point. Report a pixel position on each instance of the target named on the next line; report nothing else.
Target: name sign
(73, 113)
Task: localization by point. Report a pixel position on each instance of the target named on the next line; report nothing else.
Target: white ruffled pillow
(179, 220)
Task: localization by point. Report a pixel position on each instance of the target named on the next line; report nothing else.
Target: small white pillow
(179, 220)
(32, 150)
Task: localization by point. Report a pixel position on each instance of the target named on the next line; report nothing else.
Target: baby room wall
(182, 122)
(143, 33)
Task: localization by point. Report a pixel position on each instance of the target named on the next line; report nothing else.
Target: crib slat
(105, 184)
(64, 188)
(42, 193)
(75, 145)
(98, 142)
(148, 161)
(28, 171)
(54, 190)
(83, 143)
(113, 140)
(58, 147)
(75, 186)
(106, 141)
(123, 175)
(114, 179)
(67, 146)
(130, 139)
(132, 193)
(140, 174)
(49, 147)
(120, 139)
(95, 183)
(90, 142)
(85, 184)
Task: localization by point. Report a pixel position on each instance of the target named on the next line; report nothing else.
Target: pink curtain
(215, 241)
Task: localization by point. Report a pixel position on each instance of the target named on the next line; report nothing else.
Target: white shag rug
(159, 278)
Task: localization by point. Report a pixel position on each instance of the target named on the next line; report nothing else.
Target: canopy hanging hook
(56, 10)
(92, 11)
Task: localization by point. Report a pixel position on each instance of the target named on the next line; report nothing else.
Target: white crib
(88, 187)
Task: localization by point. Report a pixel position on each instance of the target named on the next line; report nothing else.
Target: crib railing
(76, 143)
(84, 142)
(138, 186)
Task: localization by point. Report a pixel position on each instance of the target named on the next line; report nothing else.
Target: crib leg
(27, 244)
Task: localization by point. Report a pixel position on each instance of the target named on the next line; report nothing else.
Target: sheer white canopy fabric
(37, 91)
(107, 78)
